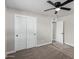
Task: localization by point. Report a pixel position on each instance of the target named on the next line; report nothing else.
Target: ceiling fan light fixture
(57, 9)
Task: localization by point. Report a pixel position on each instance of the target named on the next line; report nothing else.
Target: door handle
(17, 35)
(34, 33)
(62, 33)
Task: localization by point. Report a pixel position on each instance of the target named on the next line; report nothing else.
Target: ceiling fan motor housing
(57, 4)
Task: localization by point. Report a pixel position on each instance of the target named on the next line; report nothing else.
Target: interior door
(59, 32)
(31, 32)
(20, 33)
(25, 32)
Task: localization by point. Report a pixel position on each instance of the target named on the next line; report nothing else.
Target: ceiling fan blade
(66, 2)
(49, 9)
(51, 3)
(56, 12)
(64, 8)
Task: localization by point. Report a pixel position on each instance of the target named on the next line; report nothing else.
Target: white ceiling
(38, 6)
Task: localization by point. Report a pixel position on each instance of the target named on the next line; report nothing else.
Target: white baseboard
(43, 44)
(10, 52)
(69, 44)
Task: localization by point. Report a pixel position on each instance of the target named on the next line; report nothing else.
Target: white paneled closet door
(25, 32)
(31, 32)
(20, 33)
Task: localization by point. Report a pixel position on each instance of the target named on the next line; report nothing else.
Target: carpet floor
(43, 52)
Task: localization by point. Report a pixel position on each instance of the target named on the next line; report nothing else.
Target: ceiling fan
(58, 6)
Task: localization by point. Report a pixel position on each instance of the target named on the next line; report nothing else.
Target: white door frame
(53, 20)
(14, 29)
(52, 31)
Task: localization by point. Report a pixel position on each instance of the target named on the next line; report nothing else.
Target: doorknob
(17, 35)
(34, 33)
(62, 33)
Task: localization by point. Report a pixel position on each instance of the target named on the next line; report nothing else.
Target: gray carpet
(43, 52)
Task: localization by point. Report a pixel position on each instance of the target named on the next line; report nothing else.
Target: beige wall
(9, 29)
(68, 29)
(43, 28)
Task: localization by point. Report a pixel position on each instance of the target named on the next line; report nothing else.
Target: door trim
(52, 21)
(52, 31)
